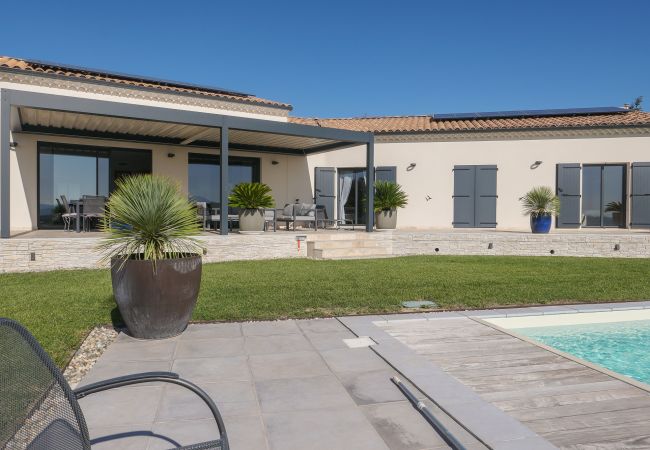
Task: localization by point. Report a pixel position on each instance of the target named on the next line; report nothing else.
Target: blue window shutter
(325, 188)
(640, 196)
(568, 190)
(464, 188)
(386, 173)
(486, 197)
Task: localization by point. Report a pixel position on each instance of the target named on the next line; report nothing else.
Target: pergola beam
(370, 185)
(5, 161)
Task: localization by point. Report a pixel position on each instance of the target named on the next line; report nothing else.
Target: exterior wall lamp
(275, 163)
(536, 164)
(410, 167)
(171, 155)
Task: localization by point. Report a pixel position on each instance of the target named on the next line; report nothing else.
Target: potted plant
(251, 199)
(388, 197)
(616, 208)
(155, 260)
(541, 204)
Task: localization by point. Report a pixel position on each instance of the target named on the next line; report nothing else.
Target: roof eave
(279, 106)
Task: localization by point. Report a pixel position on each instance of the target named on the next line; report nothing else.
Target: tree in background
(636, 104)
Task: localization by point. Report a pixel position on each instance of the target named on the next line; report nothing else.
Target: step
(352, 252)
(369, 243)
(343, 235)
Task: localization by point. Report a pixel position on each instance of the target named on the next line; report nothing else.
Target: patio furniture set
(309, 215)
(84, 211)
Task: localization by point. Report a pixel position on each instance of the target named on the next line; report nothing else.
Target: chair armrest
(149, 377)
(136, 378)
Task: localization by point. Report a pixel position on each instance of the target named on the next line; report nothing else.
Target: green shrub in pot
(541, 204)
(388, 197)
(155, 258)
(251, 199)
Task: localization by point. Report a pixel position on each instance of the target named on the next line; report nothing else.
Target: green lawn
(61, 307)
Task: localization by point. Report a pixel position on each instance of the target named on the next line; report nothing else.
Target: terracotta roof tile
(417, 124)
(89, 74)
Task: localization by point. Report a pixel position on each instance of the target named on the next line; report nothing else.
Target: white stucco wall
(289, 178)
(434, 161)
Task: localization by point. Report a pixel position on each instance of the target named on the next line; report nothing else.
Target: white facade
(424, 163)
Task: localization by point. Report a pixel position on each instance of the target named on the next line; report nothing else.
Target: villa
(70, 131)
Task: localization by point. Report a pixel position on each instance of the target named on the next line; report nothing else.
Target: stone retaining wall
(630, 245)
(72, 253)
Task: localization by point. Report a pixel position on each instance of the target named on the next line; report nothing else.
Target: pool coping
(490, 425)
(429, 377)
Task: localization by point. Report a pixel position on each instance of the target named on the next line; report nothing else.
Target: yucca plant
(251, 196)
(541, 201)
(389, 196)
(148, 218)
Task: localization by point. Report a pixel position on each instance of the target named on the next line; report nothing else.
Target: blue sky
(356, 58)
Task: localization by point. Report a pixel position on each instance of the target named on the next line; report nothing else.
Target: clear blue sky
(354, 58)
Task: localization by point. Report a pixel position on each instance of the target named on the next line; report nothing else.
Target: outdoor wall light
(13, 144)
(617, 247)
(410, 167)
(536, 164)
(171, 155)
(275, 163)
(490, 246)
(552, 252)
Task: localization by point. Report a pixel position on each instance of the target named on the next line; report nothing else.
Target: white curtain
(345, 185)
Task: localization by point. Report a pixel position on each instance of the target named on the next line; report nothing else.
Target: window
(204, 175)
(74, 171)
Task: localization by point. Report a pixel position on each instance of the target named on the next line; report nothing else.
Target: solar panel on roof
(137, 77)
(532, 113)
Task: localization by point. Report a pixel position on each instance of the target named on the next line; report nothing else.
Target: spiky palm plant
(389, 196)
(541, 201)
(251, 196)
(148, 218)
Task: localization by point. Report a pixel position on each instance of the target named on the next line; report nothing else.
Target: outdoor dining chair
(68, 214)
(39, 410)
(93, 208)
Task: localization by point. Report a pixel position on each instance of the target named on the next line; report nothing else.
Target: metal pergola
(11, 98)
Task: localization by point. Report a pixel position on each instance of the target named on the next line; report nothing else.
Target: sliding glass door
(603, 195)
(352, 195)
(204, 175)
(73, 171)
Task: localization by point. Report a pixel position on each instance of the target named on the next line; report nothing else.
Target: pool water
(623, 347)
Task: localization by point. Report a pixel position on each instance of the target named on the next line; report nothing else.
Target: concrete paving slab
(182, 432)
(367, 388)
(234, 368)
(279, 343)
(211, 331)
(287, 365)
(323, 429)
(233, 398)
(125, 437)
(268, 328)
(328, 341)
(402, 427)
(320, 325)
(103, 370)
(210, 348)
(352, 360)
(297, 394)
(136, 405)
(139, 350)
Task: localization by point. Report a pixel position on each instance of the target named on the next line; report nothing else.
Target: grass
(61, 307)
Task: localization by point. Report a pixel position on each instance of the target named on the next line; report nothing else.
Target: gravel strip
(91, 349)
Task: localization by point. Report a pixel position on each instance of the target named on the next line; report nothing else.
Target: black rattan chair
(39, 410)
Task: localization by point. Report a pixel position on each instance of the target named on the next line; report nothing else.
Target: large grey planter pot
(156, 305)
(386, 220)
(251, 220)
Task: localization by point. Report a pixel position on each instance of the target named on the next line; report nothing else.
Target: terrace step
(349, 245)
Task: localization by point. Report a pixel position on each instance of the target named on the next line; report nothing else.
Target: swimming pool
(618, 340)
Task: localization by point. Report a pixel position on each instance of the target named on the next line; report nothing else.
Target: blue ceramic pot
(541, 224)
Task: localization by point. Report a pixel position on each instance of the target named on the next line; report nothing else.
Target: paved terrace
(280, 385)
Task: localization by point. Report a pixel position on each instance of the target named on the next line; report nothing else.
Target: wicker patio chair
(39, 410)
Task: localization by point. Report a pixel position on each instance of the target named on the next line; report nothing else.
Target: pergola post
(5, 123)
(223, 166)
(370, 170)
